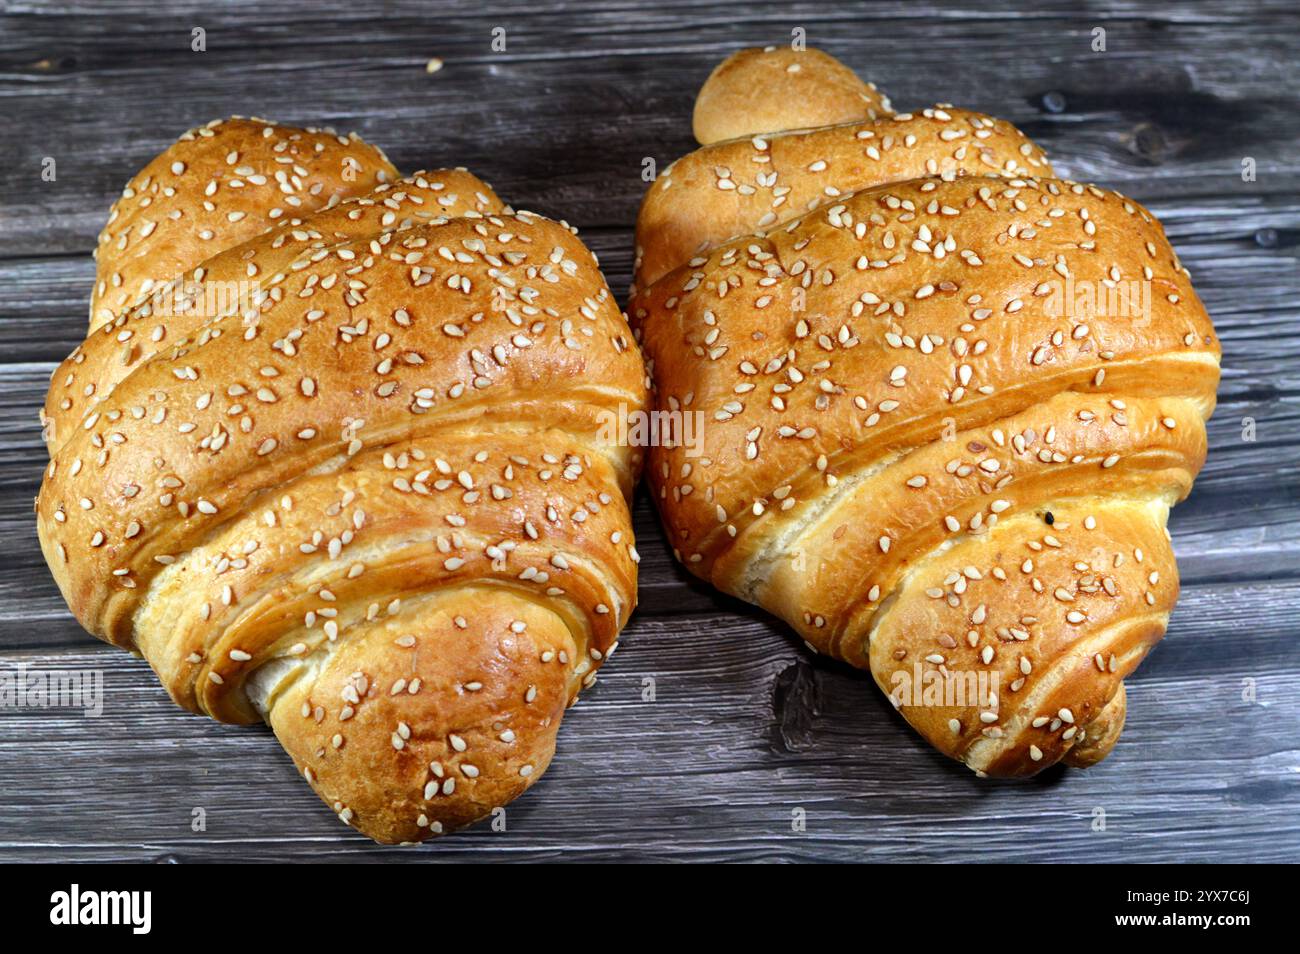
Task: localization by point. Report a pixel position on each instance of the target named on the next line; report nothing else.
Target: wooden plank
(742, 731)
(561, 120)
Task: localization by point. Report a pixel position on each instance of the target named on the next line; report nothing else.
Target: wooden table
(747, 729)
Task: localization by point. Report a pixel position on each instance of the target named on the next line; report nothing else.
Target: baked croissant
(366, 496)
(932, 443)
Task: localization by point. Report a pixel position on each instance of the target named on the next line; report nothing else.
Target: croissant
(946, 399)
(331, 457)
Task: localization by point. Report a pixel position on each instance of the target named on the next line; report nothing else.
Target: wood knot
(795, 706)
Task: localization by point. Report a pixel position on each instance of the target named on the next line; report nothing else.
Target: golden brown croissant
(947, 401)
(331, 457)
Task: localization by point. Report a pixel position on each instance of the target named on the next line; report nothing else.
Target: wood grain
(745, 731)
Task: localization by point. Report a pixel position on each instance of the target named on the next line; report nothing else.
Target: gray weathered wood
(745, 727)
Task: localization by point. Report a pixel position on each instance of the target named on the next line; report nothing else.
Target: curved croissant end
(759, 90)
(215, 187)
(945, 415)
(366, 499)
